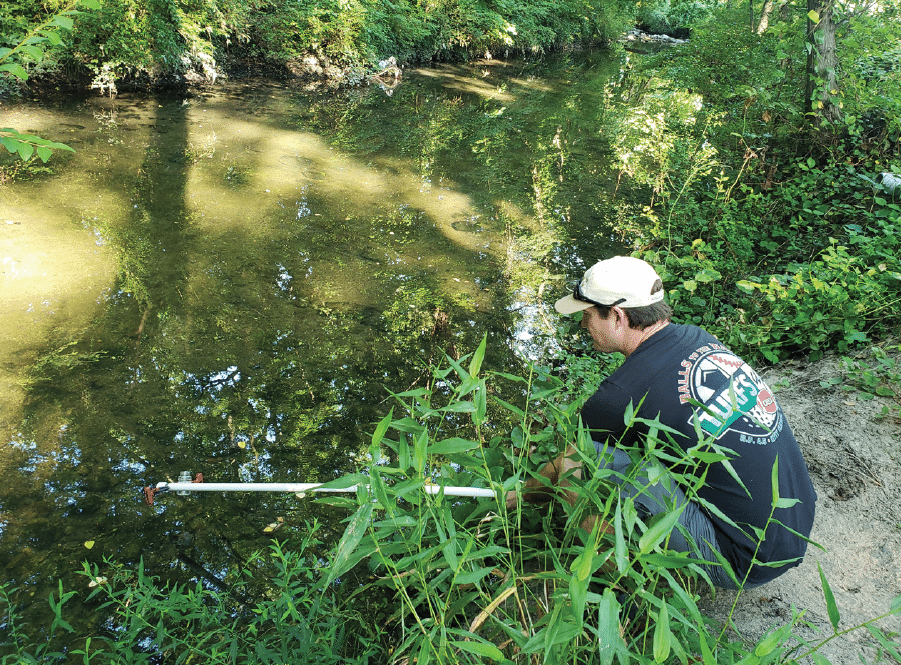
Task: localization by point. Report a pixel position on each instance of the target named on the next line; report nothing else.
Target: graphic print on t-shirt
(734, 396)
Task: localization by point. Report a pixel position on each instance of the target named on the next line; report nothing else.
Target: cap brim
(569, 305)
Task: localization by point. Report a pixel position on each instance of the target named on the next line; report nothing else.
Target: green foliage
(778, 237)
(875, 374)
(295, 622)
(28, 44)
(131, 38)
(443, 579)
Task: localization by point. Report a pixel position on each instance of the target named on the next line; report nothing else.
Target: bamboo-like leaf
(382, 427)
(610, 641)
(420, 443)
(831, 607)
(510, 407)
(403, 452)
(354, 533)
(774, 479)
(706, 653)
(662, 635)
(772, 641)
(659, 530)
(619, 541)
(481, 402)
(578, 586)
(476, 363)
(452, 445)
(459, 407)
(485, 649)
(887, 644)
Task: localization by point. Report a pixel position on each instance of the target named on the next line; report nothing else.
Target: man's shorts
(654, 491)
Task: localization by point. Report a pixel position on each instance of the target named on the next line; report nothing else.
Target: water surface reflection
(234, 283)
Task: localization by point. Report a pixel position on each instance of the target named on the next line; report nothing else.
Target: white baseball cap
(621, 281)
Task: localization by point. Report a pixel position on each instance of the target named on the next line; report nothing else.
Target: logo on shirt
(734, 397)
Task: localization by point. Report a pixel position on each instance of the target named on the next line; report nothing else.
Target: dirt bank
(855, 462)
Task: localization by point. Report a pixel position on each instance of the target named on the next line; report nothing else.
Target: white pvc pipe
(309, 487)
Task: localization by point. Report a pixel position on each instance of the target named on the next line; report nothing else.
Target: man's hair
(643, 317)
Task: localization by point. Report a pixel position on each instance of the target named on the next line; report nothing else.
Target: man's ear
(619, 314)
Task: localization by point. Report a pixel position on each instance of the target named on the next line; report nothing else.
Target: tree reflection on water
(283, 262)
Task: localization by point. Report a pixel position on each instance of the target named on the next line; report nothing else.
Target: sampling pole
(186, 485)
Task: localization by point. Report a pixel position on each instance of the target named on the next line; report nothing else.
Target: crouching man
(692, 383)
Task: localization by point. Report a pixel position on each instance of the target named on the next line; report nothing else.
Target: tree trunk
(821, 90)
(765, 16)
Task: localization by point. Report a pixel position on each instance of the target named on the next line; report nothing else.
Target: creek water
(233, 283)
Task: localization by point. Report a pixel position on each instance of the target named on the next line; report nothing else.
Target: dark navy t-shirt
(680, 365)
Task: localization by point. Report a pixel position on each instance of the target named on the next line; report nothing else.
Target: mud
(854, 457)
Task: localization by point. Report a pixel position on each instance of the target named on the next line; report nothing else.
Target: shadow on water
(268, 265)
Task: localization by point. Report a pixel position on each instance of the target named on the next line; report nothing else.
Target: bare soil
(854, 457)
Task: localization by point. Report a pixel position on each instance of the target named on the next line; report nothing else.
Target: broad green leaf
(32, 51)
(65, 22)
(814, 17)
(669, 561)
(786, 503)
(53, 37)
(89, 4)
(15, 69)
(354, 533)
(25, 151)
(708, 275)
(485, 649)
(831, 607)
(44, 153)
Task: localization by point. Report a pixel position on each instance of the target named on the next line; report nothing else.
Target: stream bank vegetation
(768, 150)
(434, 579)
